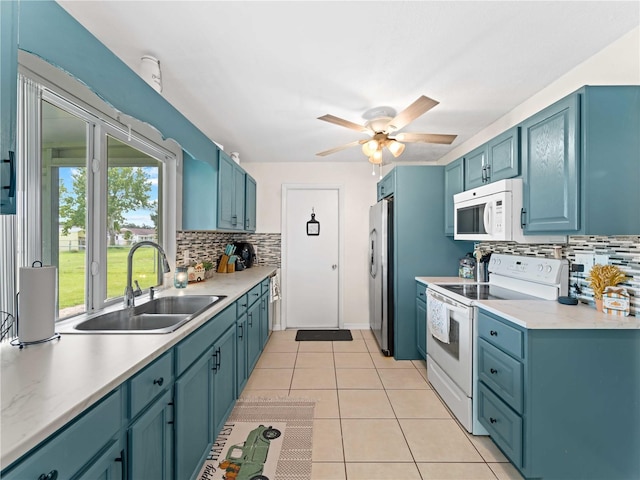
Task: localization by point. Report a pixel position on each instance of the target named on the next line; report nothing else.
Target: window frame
(63, 91)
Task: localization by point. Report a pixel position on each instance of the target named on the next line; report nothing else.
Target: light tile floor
(375, 418)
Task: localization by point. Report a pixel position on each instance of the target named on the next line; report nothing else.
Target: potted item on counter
(603, 276)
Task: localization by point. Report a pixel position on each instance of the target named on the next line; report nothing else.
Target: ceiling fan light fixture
(374, 160)
(370, 147)
(377, 156)
(396, 148)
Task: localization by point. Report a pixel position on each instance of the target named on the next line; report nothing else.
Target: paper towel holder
(16, 341)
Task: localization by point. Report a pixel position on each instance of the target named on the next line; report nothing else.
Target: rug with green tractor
(245, 461)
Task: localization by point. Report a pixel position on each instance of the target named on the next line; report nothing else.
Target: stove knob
(540, 267)
(549, 268)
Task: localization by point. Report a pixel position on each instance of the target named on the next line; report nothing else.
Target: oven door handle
(448, 304)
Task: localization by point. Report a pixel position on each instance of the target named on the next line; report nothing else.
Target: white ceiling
(254, 76)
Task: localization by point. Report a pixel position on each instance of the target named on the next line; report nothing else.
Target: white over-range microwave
(492, 213)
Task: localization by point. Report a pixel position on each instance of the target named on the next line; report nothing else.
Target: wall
(623, 251)
(360, 194)
(617, 64)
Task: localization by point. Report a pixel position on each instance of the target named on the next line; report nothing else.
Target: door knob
(334, 266)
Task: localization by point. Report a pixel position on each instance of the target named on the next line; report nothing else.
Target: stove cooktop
(485, 291)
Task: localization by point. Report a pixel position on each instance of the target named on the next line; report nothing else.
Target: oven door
(455, 357)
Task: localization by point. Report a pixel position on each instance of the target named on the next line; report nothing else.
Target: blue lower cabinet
(253, 336)
(108, 466)
(72, 451)
(224, 377)
(421, 319)
(150, 442)
(241, 353)
(264, 320)
(193, 416)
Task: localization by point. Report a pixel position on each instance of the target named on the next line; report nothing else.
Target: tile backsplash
(623, 251)
(208, 246)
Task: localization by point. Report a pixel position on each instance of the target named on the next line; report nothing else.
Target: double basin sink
(160, 315)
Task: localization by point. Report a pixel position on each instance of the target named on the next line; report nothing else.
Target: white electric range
(451, 323)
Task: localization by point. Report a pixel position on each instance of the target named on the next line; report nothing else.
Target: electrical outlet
(586, 259)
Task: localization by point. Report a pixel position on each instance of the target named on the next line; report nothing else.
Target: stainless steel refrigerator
(381, 274)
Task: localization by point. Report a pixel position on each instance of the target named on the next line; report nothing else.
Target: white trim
(286, 187)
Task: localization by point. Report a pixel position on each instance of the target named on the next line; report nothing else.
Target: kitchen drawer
(241, 305)
(421, 291)
(502, 423)
(501, 373)
(190, 349)
(71, 450)
(265, 286)
(254, 294)
(150, 383)
(500, 334)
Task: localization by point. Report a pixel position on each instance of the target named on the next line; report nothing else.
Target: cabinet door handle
(487, 175)
(159, 381)
(492, 420)
(241, 331)
(218, 360)
(484, 175)
(493, 371)
(215, 362)
(52, 475)
(493, 333)
(234, 219)
(12, 178)
(523, 216)
(250, 316)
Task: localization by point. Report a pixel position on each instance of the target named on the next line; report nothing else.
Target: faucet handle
(152, 292)
(138, 291)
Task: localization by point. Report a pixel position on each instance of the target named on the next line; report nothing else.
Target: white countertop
(546, 314)
(44, 386)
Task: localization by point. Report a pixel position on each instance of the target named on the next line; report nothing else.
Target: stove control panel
(549, 271)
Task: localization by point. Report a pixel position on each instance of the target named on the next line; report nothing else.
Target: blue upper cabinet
(8, 104)
(503, 156)
(550, 152)
(496, 160)
(250, 204)
(581, 164)
(453, 183)
(217, 195)
(474, 167)
(386, 186)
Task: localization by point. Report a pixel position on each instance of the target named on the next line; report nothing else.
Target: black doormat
(323, 335)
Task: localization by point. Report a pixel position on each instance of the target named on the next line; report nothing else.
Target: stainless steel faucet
(129, 297)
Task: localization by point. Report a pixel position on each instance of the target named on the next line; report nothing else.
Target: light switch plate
(601, 258)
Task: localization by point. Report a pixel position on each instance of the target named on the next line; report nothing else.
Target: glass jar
(181, 278)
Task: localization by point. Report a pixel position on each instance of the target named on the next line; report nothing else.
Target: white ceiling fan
(382, 125)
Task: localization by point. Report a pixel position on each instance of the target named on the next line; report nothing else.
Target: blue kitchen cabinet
(581, 164)
(150, 441)
(72, 450)
(250, 204)
(217, 195)
(474, 167)
(453, 183)
(387, 185)
(8, 104)
(497, 159)
(253, 335)
(193, 416)
(241, 352)
(420, 247)
(108, 466)
(421, 319)
(264, 313)
(224, 376)
(537, 400)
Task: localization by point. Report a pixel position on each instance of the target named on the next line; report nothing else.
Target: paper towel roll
(37, 303)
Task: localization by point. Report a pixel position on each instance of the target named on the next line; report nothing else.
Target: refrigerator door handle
(373, 265)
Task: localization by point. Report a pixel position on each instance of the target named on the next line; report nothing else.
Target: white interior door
(311, 263)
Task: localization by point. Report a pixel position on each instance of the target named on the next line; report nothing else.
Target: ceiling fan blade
(344, 123)
(341, 147)
(426, 138)
(409, 114)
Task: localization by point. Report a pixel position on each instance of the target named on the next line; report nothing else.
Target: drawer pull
(493, 371)
(159, 381)
(52, 475)
(241, 331)
(492, 420)
(493, 333)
